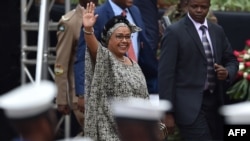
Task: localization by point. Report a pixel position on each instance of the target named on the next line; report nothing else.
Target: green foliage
(171, 2)
(175, 137)
(101, 1)
(223, 5)
(74, 1)
(240, 90)
(230, 5)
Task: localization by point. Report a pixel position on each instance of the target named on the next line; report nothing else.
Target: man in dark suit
(144, 52)
(183, 69)
(149, 12)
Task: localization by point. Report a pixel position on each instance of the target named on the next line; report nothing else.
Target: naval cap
(138, 108)
(238, 113)
(77, 139)
(28, 100)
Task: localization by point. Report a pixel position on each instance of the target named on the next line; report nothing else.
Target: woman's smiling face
(120, 41)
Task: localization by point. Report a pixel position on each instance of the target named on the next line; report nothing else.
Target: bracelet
(87, 32)
(80, 96)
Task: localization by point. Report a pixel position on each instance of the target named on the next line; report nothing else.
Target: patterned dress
(105, 80)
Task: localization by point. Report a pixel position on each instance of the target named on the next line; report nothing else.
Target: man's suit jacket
(183, 67)
(150, 16)
(147, 59)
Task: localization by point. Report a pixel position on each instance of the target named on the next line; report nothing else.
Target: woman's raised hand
(88, 17)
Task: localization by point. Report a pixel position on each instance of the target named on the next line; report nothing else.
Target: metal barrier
(44, 53)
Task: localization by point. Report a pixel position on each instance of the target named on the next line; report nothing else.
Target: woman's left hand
(88, 16)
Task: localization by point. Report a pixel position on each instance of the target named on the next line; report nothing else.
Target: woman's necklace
(121, 60)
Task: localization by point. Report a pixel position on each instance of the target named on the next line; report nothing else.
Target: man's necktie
(131, 52)
(124, 12)
(210, 63)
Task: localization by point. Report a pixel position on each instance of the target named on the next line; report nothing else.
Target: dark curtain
(236, 26)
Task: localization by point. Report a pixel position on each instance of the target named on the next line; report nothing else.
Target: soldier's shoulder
(64, 22)
(68, 15)
(211, 17)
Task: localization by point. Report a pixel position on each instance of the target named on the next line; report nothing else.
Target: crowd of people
(122, 49)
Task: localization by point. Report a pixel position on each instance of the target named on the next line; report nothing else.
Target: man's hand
(63, 109)
(80, 104)
(221, 72)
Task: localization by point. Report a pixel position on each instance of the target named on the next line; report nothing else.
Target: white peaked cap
(137, 108)
(28, 100)
(77, 139)
(238, 113)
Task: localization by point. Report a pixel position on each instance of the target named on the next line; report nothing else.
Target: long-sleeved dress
(106, 79)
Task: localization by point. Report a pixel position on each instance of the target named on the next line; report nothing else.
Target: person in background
(67, 41)
(110, 74)
(30, 110)
(149, 12)
(144, 53)
(162, 4)
(178, 11)
(196, 61)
